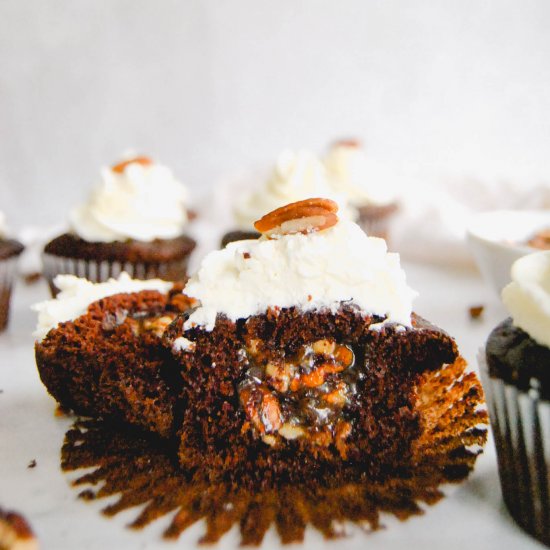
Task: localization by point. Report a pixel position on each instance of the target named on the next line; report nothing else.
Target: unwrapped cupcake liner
(101, 271)
(8, 271)
(521, 426)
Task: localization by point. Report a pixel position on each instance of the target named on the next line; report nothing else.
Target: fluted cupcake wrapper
(521, 427)
(8, 271)
(101, 271)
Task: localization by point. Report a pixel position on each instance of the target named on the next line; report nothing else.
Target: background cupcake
(134, 221)
(296, 176)
(9, 252)
(516, 371)
(368, 185)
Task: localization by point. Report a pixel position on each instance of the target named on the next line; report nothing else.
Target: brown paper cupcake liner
(521, 427)
(101, 271)
(8, 271)
(142, 470)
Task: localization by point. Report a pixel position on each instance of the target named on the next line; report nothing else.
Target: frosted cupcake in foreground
(10, 249)
(134, 221)
(516, 376)
(296, 176)
(368, 186)
(304, 358)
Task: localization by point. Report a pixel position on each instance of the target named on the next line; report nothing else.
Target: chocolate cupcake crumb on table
(515, 366)
(134, 221)
(10, 249)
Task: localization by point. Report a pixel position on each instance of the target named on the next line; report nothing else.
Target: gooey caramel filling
(303, 396)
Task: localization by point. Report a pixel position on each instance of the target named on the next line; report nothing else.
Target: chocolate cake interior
(296, 394)
(111, 362)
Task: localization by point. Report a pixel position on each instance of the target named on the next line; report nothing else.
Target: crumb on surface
(476, 311)
(32, 463)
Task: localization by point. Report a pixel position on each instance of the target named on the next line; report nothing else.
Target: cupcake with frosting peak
(515, 366)
(304, 357)
(10, 249)
(295, 176)
(134, 220)
(368, 185)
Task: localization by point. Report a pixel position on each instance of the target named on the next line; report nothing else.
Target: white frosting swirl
(313, 271)
(359, 177)
(3, 226)
(296, 176)
(527, 297)
(144, 202)
(78, 293)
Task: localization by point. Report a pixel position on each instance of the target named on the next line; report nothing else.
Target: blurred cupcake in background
(368, 185)
(134, 221)
(297, 175)
(10, 249)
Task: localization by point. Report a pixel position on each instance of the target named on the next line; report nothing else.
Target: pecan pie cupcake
(134, 221)
(515, 366)
(304, 357)
(10, 249)
(368, 185)
(100, 353)
(295, 176)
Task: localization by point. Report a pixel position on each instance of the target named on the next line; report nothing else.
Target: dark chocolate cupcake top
(8, 247)
(518, 350)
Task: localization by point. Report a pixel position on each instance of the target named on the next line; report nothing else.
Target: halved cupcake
(304, 357)
(100, 351)
(134, 221)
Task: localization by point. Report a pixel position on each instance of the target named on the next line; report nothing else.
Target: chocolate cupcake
(134, 221)
(10, 249)
(296, 176)
(367, 185)
(516, 373)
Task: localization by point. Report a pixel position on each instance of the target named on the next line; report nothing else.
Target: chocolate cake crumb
(476, 311)
(32, 464)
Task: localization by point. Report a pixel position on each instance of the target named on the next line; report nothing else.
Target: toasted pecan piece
(299, 217)
(121, 166)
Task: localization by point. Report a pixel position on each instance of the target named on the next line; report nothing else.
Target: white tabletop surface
(472, 516)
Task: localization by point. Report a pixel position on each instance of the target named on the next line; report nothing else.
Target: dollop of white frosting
(76, 294)
(296, 176)
(527, 297)
(314, 271)
(359, 177)
(3, 226)
(144, 202)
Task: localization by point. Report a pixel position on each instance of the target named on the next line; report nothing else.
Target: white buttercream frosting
(3, 226)
(313, 271)
(296, 176)
(359, 177)
(76, 294)
(143, 202)
(527, 297)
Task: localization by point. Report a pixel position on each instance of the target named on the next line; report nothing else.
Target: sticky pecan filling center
(303, 396)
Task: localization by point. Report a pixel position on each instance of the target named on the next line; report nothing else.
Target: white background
(209, 87)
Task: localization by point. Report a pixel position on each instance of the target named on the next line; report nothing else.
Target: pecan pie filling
(303, 396)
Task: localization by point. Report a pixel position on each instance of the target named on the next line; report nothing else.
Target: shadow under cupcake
(134, 221)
